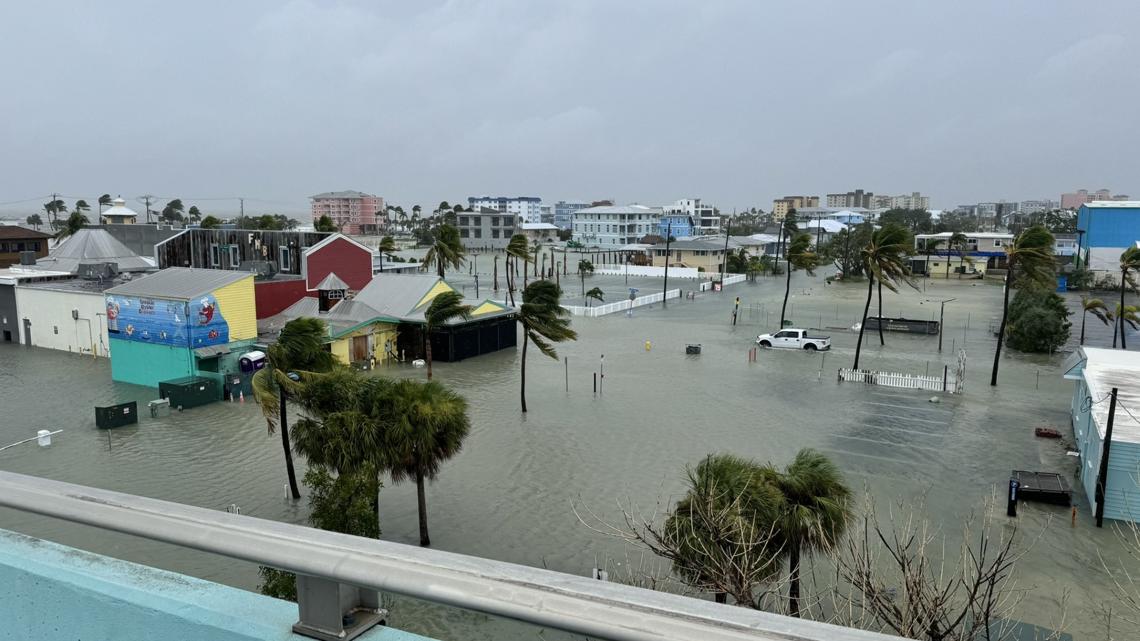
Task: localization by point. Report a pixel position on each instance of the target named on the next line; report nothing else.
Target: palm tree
(958, 242)
(1127, 314)
(930, 246)
(387, 245)
(210, 222)
(82, 206)
(300, 347)
(104, 201)
(428, 425)
(54, 208)
(536, 250)
(729, 509)
(446, 250)
(596, 294)
(816, 511)
(1097, 307)
(800, 256)
(74, 223)
(444, 307)
(194, 214)
(545, 321)
(883, 259)
(584, 267)
(516, 249)
(35, 221)
(1032, 252)
(1129, 263)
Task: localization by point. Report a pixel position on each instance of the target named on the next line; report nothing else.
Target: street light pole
(665, 289)
(941, 316)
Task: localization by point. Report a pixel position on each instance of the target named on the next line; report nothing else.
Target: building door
(7, 336)
(27, 332)
(359, 349)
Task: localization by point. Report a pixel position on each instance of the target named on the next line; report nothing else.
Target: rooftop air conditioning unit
(262, 269)
(27, 258)
(98, 271)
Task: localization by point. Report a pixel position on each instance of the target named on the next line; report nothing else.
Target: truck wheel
(810, 347)
(765, 344)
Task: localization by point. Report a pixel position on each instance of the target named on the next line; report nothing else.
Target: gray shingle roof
(179, 283)
(93, 245)
(396, 295)
(331, 282)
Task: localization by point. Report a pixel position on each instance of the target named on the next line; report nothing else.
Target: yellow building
(781, 206)
(699, 254)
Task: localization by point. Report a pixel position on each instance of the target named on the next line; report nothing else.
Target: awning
(213, 351)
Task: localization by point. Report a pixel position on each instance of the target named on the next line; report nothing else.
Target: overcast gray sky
(420, 101)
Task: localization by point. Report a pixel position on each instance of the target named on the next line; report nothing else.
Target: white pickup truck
(794, 339)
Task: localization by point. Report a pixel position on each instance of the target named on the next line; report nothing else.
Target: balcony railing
(337, 573)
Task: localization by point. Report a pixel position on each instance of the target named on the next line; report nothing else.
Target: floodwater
(508, 495)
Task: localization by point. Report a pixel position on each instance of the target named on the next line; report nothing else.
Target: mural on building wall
(197, 323)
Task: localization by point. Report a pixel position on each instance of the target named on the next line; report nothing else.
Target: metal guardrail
(328, 560)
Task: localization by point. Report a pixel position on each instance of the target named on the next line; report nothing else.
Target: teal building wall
(149, 363)
(50, 592)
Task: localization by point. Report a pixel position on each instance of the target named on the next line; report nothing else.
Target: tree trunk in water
(1084, 315)
(495, 278)
(427, 348)
(947, 264)
(1123, 327)
(863, 325)
(522, 387)
(787, 290)
(296, 493)
(425, 540)
(510, 281)
(881, 341)
(1001, 328)
(794, 580)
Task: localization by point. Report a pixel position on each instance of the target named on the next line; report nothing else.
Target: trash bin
(159, 408)
(190, 391)
(116, 415)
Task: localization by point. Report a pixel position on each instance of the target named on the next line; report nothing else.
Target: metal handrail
(541, 597)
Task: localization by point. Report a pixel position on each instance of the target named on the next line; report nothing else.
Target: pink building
(1082, 196)
(352, 212)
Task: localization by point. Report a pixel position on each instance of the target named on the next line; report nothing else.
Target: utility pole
(665, 289)
(241, 204)
(1102, 474)
(146, 201)
(724, 260)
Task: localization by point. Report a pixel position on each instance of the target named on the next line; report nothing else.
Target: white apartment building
(528, 209)
(612, 227)
(705, 219)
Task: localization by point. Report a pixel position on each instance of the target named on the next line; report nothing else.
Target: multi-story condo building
(982, 251)
(914, 201)
(705, 219)
(675, 225)
(564, 212)
(486, 229)
(352, 212)
(546, 214)
(1075, 199)
(527, 208)
(614, 226)
(1032, 206)
(857, 198)
(780, 206)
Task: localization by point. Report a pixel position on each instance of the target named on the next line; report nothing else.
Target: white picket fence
(729, 279)
(905, 381)
(647, 270)
(621, 305)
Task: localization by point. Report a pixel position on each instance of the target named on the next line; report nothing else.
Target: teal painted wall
(148, 363)
(50, 592)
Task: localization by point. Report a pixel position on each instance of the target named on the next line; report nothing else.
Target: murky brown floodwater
(508, 494)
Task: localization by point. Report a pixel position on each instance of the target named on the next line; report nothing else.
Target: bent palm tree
(1129, 264)
(1032, 253)
(800, 256)
(516, 249)
(544, 321)
(584, 267)
(104, 201)
(1127, 315)
(596, 294)
(387, 246)
(446, 250)
(1096, 307)
(958, 242)
(428, 425)
(74, 223)
(299, 347)
(883, 259)
(816, 512)
(444, 307)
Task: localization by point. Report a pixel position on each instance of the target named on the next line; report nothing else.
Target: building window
(334, 294)
(463, 221)
(235, 256)
(285, 263)
(215, 256)
(494, 221)
(997, 242)
(478, 233)
(494, 233)
(463, 233)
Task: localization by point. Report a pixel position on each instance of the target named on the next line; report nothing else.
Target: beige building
(698, 254)
(780, 206)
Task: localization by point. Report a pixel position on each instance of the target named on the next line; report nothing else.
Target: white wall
(53, 327)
